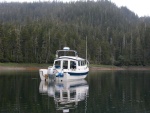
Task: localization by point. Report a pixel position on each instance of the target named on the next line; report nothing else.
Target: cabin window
(72, 64)
(79, 63)
(57, 64)
(65, 64)
(83, 63)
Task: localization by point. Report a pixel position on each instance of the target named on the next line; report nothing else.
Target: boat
(67, 94)
(67, 66)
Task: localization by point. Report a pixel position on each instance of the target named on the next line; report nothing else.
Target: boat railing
(65, 53)
(87, 63)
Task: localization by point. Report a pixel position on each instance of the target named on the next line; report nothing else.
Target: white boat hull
(68, 76)
(62, 76)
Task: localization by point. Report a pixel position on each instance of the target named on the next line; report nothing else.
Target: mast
(86, 48)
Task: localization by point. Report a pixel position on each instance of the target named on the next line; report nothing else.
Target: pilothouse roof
(66, 52)
(70, 58)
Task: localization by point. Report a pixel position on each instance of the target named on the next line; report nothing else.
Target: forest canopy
(32, 32)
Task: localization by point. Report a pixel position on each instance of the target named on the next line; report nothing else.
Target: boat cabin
(67, 63)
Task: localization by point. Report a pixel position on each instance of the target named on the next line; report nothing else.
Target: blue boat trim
(77, 74)
(59, 75)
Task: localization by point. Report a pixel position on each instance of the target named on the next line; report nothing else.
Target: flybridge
(66, 51)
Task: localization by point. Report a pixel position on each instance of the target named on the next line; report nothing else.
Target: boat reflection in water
(66, 94)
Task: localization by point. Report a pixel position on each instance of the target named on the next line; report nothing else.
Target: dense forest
(32, 32)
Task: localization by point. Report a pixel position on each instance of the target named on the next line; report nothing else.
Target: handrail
(76, 54)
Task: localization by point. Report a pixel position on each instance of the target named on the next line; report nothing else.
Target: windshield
(57, 64)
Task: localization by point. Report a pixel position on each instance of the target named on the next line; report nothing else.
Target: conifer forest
(32, 32)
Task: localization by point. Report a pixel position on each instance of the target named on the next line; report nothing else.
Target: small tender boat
(66, 67)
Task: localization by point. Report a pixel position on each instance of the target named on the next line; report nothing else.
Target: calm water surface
(100, 92)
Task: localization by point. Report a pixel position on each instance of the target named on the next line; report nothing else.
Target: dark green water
(101, 92)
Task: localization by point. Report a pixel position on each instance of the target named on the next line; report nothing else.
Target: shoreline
(92, 68)
(121, 68)
(4, 68)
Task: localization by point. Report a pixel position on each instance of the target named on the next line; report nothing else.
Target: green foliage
(32, 32)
